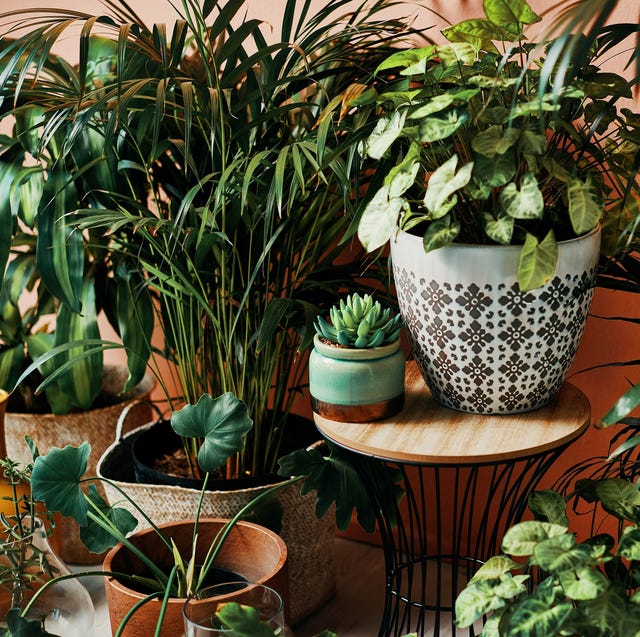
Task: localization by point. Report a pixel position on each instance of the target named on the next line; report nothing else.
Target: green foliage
(486, 147)
(222, 193)
(585, 588)
(360, 322)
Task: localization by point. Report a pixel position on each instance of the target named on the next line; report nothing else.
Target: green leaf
(440, 233)
(483, 596)
(96, 538)
(433, 129)
(585, 206)
(7, 174)
(221, 422)
(407, 58)
(560, 553)
(334, 479)
(534, 617)
(31, 189)
(243, 621)
(500, 229)
(526, 203)
(584, 583)
(380, 218)
(522, 539)
(402, 176)
(387, 130)
(478, 32)
(495, 567)
(629, 544)
(623, 406)
(21, 627)
(55, 480)
(620, 498)
(496, 172)
(506, 13)
(548, 506)
(444, 181)
(495, 141)
(537, 262)
(12, 362)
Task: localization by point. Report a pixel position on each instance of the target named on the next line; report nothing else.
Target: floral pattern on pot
(485, 346)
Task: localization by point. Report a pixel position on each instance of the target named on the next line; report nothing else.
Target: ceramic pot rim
(355, 354)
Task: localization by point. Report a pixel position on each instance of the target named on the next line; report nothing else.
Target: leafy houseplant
(491, 189)
(235, 226)
(579, 588)
(356, 369)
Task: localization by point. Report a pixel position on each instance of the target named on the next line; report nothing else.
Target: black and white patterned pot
(482, 345)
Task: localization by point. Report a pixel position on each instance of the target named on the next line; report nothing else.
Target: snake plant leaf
(585, 207)
(333, 479)
(521, 539)
(548, 506)
(524, 203)
(445, 181)
(93, 535)
(55, 480)
(135, 315)
(537, 261)
(243, 621)
(19, 626)
(221, 422)
(60, 251)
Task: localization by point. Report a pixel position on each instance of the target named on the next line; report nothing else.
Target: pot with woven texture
(97, 426)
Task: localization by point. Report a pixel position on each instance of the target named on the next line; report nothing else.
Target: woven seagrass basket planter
(310, 541)
(97, 426)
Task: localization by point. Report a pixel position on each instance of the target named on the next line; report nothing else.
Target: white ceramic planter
(356, 385)
(482, 345)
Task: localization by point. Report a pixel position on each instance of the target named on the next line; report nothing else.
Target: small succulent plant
(359, 322)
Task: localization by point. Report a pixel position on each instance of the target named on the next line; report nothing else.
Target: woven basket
(97, 426)
(310, 541)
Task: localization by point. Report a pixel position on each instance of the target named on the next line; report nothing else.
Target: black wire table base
(450, 521)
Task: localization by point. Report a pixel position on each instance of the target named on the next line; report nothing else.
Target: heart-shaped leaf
(222, 423)
(55, 480)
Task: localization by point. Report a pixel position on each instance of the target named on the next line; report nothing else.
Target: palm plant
(237, 181)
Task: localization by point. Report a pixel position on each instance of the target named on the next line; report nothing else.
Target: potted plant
(235, 229)
(56, 280)
(491, 187)
(356, 369)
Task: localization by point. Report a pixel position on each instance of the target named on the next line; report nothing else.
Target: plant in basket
(492, 181)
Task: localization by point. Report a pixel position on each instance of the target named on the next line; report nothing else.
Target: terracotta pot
(251, 551)
(97, 426)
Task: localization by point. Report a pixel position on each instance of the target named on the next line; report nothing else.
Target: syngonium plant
(474, 143)
(235, 231)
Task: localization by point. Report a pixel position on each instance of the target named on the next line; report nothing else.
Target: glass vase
(26, 565)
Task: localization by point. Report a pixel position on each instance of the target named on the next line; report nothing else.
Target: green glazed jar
(356, 385)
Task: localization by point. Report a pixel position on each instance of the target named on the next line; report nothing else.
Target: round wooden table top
(426, 432)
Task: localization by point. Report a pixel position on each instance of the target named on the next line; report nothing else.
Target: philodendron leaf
(387, 130)
(443, 183)
(584, 583)
(402, 176)
(221, 422)
(243, 621)
(407, 58)
(333, 479)
(522, 539)
(495, 141)
(585, 206)
(620, 498)
(537, 261)
(526, 203)
(560, 553)
(93, 535)
(495, 567)
(380, 219)
(441, 126)
(440, 233)
(535, 616)
(55, 480)
(548, 506)
(506, 13)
